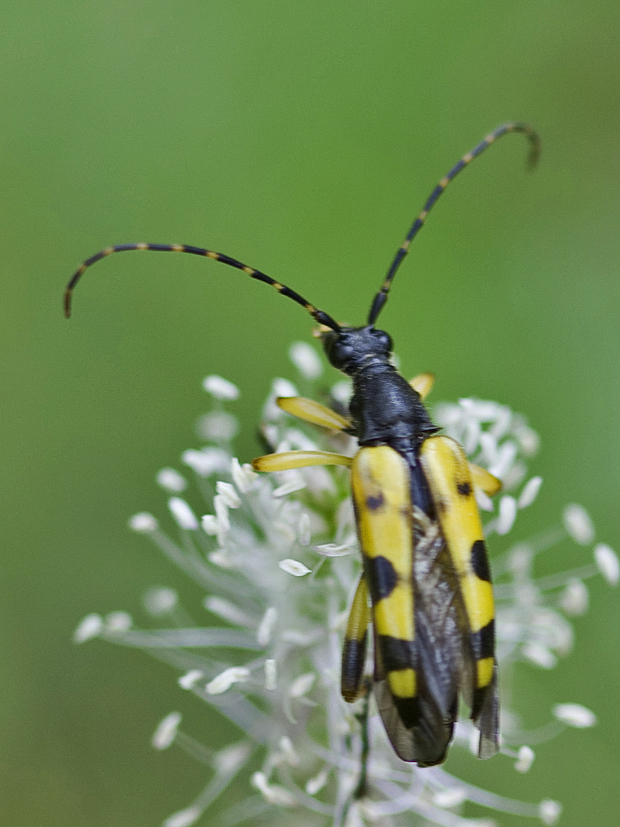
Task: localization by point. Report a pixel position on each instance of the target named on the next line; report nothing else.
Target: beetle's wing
(417, 702)
(447, 472)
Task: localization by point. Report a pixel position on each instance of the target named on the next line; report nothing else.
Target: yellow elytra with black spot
(425, 585)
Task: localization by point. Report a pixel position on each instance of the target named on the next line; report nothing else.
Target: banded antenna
(533, 156)
(318, 315)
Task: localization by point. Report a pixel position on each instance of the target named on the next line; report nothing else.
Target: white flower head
(267, 654)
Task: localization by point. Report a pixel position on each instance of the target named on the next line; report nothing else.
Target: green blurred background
(301, 138)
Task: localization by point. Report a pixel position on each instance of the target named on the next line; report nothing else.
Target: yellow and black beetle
(425, 582)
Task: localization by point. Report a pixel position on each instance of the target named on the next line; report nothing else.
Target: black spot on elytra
(375, 503)
(480, 561)
(397, 653)
(464, 489)
(483, 642)
(408, 711)
(381, 577)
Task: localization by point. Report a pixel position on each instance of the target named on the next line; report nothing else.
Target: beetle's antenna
(532, 159)
(318, 315)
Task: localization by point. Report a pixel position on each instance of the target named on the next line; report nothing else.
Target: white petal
(242, 475)
(220, 388)
(316, 784)
(539, 654)
(273, 793)
(575, 715)
(230, 759)
(294, 567)
(578, 524)
(218, 426)
(166, 732)
(607, 563)
(228, 494)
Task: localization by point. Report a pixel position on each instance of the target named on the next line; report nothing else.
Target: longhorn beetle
(425, 568)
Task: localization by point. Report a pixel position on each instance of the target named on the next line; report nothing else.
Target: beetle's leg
(286, 460)
(354, 649)
(423, 383)
(484, 480)
(314, 412)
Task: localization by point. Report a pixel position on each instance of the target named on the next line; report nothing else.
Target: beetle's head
(352, 348)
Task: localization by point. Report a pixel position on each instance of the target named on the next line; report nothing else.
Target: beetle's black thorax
(385, 409)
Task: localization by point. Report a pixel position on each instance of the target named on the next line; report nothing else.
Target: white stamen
(575, 715)
(227, 610)
(220, 388)
(143, 523)
(265, 627)
(209, 524)
(272, 793)
(506, 455)
(549, 811)
(507, 514)
(221, 513)
(222, 682)
(271, 674)
(171, 480)
(450, 797)
(218, 426)
(578, 524)
(89, 627)
(306, 360)
(228, 494)
(485, 503)
(525, 759)
(304, 530)
(190, 679)
(118, 622)
(539, 654)
(166, 731)
(288, 750)
(232, 758)
(207, 461)
(288, 488)
(242, 475)
(160, 601)
(294, 567)
(183, 514)
(315, 785)
(341, 392)
(302, 685)
(282, 387)
(184, 818)
(607, 563)
(575, 597)
(530, 492)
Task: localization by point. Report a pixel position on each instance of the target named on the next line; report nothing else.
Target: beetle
(425, 585)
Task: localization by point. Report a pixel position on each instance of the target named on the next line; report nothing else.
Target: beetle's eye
(338, 352)
(384, 340)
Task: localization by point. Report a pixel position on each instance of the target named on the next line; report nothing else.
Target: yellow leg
(311, 411)
(483, 480)
(286, 460)
(354, 650)
(423, 383)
